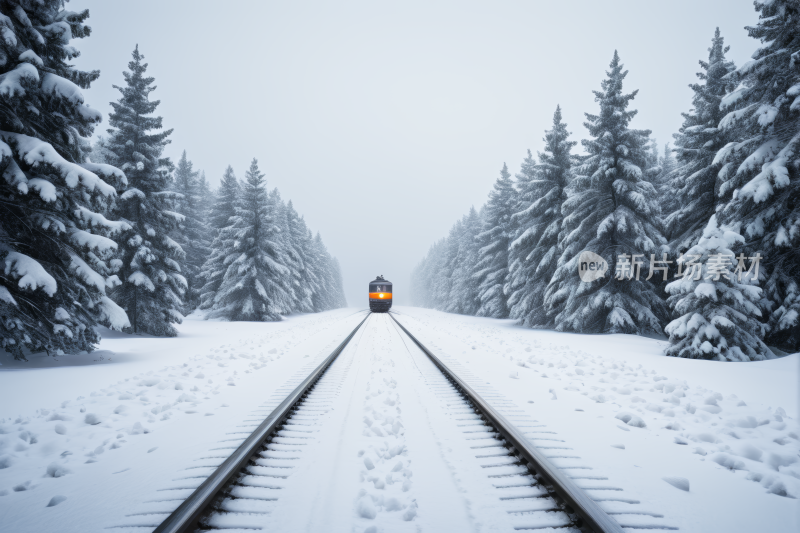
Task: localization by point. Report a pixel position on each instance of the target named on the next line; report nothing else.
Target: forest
(113, 233)
(701, 238)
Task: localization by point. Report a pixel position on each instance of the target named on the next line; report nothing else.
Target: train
(380, 295)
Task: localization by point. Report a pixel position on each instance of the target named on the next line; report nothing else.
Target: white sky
(384, 122)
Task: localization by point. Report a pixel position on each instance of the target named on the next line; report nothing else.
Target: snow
(5, 296)
(30, 55)
(139, 279)
(102, 169)
(122, 422)
(63, 88)
(97, 219)
(35, 152)
(108, 439)
(93, 241)
(11, 82)
(30, 273)
(87, 273)
(47, 191)
(755, 401)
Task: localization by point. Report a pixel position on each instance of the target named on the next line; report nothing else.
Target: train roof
(380, 279)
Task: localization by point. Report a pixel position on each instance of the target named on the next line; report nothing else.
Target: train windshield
(380, 288)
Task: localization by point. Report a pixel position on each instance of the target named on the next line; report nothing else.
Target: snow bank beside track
(729, 429)
(106, 433)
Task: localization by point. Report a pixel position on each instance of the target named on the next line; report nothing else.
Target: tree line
(116, 234)
(701, 243)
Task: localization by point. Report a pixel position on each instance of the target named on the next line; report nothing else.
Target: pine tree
(152, 284)
(55, 246)
(221, 214)
(425, 277)
(666, 162)
(325, 295)
(339, 299)
(692, 184)
(463, 298)
(492, 267)
(652, 163)
(717, 311)
(612, 211)
(290, 256)
(256, 284)
(206, 201)
(99, 151)
(225, 202)
(533, 255)
(302, 285)
(193, 233)
(760, 174)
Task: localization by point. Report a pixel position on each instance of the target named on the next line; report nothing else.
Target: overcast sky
(384, 122)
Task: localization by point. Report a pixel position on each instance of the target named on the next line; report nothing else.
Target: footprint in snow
(55, 500)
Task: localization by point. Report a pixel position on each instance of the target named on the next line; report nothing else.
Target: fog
(384, 122)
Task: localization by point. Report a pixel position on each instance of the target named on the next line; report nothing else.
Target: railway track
(243, 491)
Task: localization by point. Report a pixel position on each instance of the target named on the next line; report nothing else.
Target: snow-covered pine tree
(652, 160)
(463, 298)
(534, 253)
(99, 152)
(447, 289)
(760, 176)
(221, 213)
(717, 311)
(612, 211)
(206, 202)
(225, 201)
(289, 254)
(328, 291)
(152, 284)
(193, 233)
(55, 250)
(492, 267)
(666, 162)
(424, 276)
(256, 284)
(527, 192)
(339, 299)
(691, 185)
(295, 235)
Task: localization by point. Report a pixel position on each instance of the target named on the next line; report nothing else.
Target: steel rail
(187, 516)
(575, 499)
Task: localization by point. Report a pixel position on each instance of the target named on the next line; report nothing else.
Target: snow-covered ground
(637, 417)
(86, 442)
(96, 435)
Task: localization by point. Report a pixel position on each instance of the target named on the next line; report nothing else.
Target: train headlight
(380, 295)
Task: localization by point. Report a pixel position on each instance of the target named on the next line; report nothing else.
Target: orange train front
(380, 295)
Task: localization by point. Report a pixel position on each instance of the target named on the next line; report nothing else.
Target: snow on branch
(96, 219)
(11, 82)
(63, 88)
(106, 171)
(115, 316)
(6, 297)
(90, 240)
(139, 279)
(177, 216)
(133, 192)
(30, 273)
(773, 173)
(36, 152)
(87, 273)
